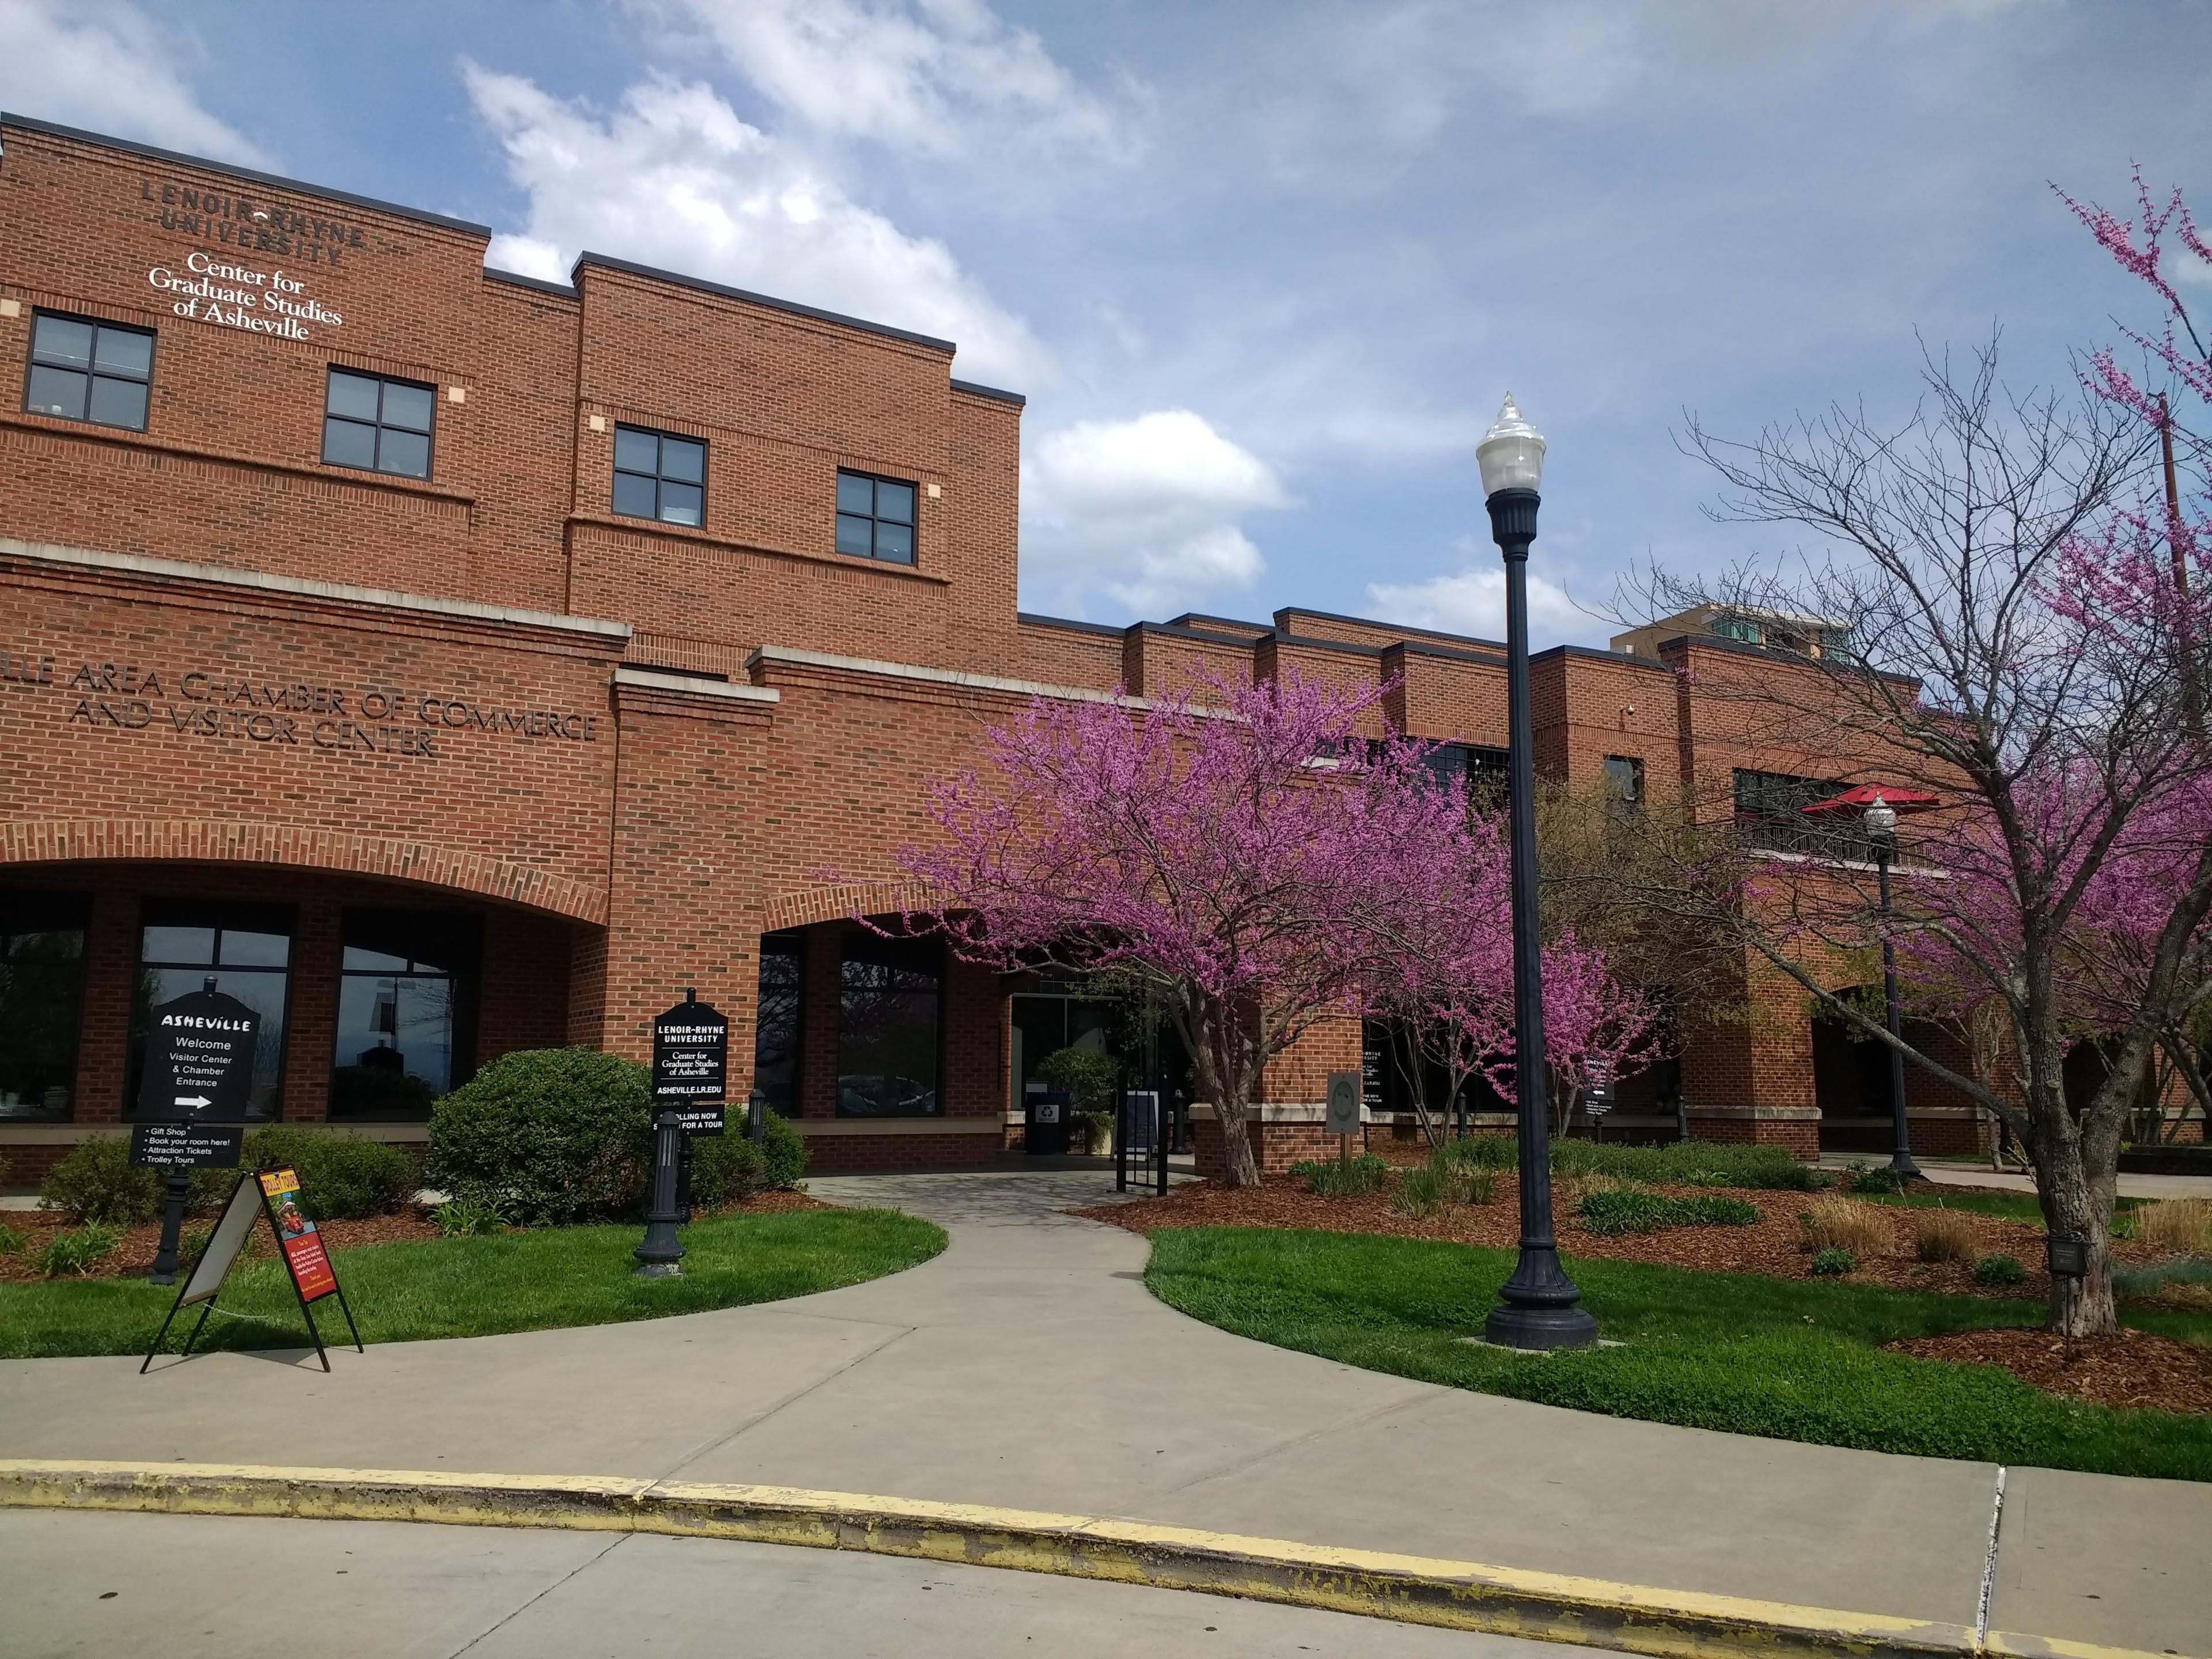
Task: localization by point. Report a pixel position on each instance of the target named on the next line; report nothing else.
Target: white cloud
(1147, 512)
(923, 74)
(674, 177)
(103, 65)
(1472, 600)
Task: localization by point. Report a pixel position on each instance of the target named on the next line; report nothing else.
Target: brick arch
(195, 840)
(835, 903)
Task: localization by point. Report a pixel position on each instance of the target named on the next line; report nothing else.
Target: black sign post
(690, 1077)
(192, 1096)
(1597, 1097)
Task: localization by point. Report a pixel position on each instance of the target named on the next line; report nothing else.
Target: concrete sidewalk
(1028, 1367)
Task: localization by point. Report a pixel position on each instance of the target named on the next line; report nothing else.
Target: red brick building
(450, 662)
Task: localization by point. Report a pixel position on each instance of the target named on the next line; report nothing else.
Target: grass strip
(1743, 1353)
(518, 1282)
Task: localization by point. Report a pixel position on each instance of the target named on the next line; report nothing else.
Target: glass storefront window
(406, 1011)
(775, 1022)
(41, 999)
(247, 950)
(888, 999)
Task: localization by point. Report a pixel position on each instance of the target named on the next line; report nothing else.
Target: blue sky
(1264, 270)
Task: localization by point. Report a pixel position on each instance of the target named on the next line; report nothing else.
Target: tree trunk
(1224, 1079)
(2076, 1206)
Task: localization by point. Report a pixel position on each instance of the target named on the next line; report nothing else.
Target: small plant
(1646, 1212)
(726, 1169)
(12, 1239)
(1865, 1179)
(465, 1218)
(1364, 1174)
(783, 1153)
(2176, 1226)
(1492, 1152)
(1832, 1263)
(194, 1243)
(1420, 1193)
(1999, 1268)
(1840, 1224)
(78, 1250)
(1940, 1235)
(97, 1185)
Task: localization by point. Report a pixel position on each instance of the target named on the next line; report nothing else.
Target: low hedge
(341, 1176)
(1633, 1212)
(1689, 1163)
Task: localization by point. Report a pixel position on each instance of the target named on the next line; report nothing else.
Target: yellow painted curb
(1415, 1590)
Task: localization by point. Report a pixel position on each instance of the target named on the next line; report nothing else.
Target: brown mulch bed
(2134, 1368)
(136, 1254)
(1774, 1245)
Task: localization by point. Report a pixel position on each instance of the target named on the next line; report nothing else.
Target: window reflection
(41, 1000)
(887, 1027)
(407, 1003)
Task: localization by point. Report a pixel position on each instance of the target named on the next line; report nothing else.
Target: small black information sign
(199, 1066)
(691, 1065)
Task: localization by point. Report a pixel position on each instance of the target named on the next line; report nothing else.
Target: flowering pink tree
(1237, 850)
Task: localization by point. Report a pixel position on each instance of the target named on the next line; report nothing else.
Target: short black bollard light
(659, 1256)
(757, 1117)
(174, 1192)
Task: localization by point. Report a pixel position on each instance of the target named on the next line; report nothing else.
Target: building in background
(448, 662)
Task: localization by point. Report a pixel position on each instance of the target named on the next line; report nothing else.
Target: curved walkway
(1027, 1366)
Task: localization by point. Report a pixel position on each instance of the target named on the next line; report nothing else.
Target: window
(407, 984)
(875, 517)
(379, 425)
(659, 476)
(246, 949)
(1623, 780)
(1836, 646)
(86, 371)
(776, 1021)
(41, 997)
(1741, 628)
(887, 1026)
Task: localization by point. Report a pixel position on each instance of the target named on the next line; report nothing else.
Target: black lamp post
(1542, 1307)
(1881, 822)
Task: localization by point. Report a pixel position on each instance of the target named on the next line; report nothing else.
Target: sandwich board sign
(691, 1065)
(274, 1194)
(192, 1093)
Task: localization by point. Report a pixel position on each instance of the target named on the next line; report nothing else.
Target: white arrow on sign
(193, 1100)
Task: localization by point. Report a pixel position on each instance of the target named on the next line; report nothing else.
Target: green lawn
(1789, 1359)
(2011, 1206)
(517, 1281)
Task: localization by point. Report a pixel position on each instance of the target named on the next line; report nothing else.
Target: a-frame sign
(274, 1194)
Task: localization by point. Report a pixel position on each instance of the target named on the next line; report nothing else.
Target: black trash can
(1044, 1122)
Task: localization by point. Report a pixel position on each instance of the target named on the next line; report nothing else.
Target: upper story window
(1623, 780)
(875, 516)
(381, 425)
(660, 476)
(82, 370)
(1770, 811)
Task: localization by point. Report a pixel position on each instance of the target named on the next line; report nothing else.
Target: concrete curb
(1414, 1590)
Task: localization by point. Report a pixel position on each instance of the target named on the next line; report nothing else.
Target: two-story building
(449, 662)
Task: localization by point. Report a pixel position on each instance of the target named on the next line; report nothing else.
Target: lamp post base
(1540, 1329)
(1900, 1162)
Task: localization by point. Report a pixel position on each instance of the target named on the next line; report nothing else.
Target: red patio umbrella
(1895, 796)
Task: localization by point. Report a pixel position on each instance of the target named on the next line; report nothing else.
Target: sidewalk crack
(1237, 1464)
(513, 1614)
(797, 1394)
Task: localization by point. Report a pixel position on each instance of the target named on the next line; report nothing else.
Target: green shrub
(1420, 1193)
(193, 1242)
(1687, 1164)
(1091, 1076)
(1829, 1263)
(726, 1169)
(12, 1239)
(461, 1218)
(342, 1177)
(1861, 1178)
(783, 1154)
(1633, 1211)
(1999, 1269)
(1364, 1174)
(546, 1136)
(97, 1185)
(1492, 1152)
(78, 1250)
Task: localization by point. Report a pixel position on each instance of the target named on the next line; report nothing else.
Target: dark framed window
(889, 1004)
(377, 424)
(247, 950)
(1483, 774)
(659, 476)
(42, 1002)
(1770, 813)
(875, 516)
(1623, 780)
(82, 370)
(407, 1005)
(775, 1020)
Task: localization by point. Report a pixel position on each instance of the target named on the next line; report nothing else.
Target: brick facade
(629, 747)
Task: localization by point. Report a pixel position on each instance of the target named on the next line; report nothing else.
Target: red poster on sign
(304, 1256)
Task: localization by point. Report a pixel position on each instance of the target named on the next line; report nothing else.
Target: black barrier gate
(1139, 1138)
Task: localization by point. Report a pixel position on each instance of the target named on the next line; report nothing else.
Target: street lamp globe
(1880, 822)
(1512, 453)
